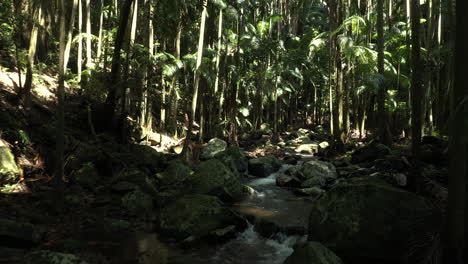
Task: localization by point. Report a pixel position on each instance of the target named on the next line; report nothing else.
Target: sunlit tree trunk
(218, 56)
(70, 35)
(197, 74)
(37, 21)
(89, 61)
(99, 44)
(79, 60)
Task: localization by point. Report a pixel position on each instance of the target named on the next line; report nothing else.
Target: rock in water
(264, 166)
(288, 181)
(312, 253)
(213, 147)
(196, 216)
(314, 173)
(8, 169)
(367, 218)
(214, 178)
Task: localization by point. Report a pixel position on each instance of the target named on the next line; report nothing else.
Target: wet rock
(287, 181)
(312, 253)
(213, 147)
(314, 173)
(353, 219)
(175, 173)
(51, 257)
(196, 215)
(8, 169)
(214, 178)
(370, 153)
(137, 203)
(314, 192)
(19, 235)
(264, 166)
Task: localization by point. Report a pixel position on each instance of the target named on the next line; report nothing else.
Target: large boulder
(264, 166)
(312, 253)
(288, 181)
(137, 203)
(86, 176)
(135, 177)
(196, 216)
(234, 158)
(367, 218)
(214, 178)
(213, 147)
(370, 153)
(314, 173)
(147, 157)
(175, 173)
(8, 169)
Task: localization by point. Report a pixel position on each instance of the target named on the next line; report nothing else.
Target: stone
(137, 203)
(234, 158)
(287, 181)
(312, 253)
(8, 169)
(175, 173)
(264, 166)
(146, 157)
(86, 176)
(311, 148)
(18, 234)
(214, 178)
(196, 216)
(138, 177)
(369, 153)
(367, 218)
(214, 146)
(51, 257)
(313, 191)
(314, 173)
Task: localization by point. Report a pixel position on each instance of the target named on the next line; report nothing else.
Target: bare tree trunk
(79, 60)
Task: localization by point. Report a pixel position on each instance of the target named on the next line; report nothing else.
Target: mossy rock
(14, 233)
(196, 216)
(264, 166)
(312, 253)
(138, 203)
(51, 257)
(8, 169)
(368, 218)
(138, 177)
(214, 178)
(175, 173)
(370, 153)
(86, 176)
(235, 159)
(214, 146)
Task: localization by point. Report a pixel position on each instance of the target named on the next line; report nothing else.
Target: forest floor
(115, 197)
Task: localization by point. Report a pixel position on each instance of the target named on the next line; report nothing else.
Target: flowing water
(270, 205)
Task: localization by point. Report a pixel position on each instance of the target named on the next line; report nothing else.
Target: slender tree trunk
(197, 74)
(383, 135)
(99, 44)
(89, 62)
(70, 35)
(38, 21)
(79, 60)
(416, 89)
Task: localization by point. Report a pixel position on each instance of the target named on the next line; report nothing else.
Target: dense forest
(233, 131)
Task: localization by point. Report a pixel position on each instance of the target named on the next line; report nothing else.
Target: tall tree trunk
(416, 90)
(79, 60)
(111, 100)
(37, 21)
(70, 35)
(458, 171)
(383, 135)
(89, 61)
(99, 44)
(196, 81)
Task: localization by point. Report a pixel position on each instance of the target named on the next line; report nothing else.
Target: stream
(277, 221)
